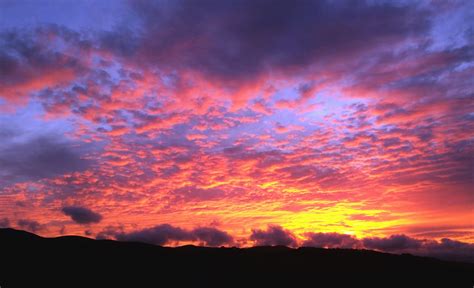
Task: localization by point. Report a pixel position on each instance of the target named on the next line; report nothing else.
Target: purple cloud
(211, 236)
(273, 236)
(165, 233)
(331, 240)
(30, 225)
(242, 39)
(28, 65)
(392, 243)
(4, 223)
(34, 154)
(82, 215)
(158, 235)
(444, 249)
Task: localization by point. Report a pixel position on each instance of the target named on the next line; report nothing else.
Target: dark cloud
(4, 223)
(274, 235)
(108, 232)
(212, 236)
(331, 240)
(451, 250)
(82, 215)
(166, 233)
(444, 249)
(26, 156)
(158, 235)
(234, 40)
(27, 63)
(392, 243)
(30, 225)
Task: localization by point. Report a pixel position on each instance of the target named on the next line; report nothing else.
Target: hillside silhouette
(28, 260)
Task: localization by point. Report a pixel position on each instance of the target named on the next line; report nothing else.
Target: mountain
(28, 260)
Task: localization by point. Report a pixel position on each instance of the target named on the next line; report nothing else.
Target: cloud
(237, 50)
(451, 250)
(212, 236)
(243, 39)
(273, 236)
(108, 232)
(158, 235)
(28, 64)
(444, 249)
(165, 234)
(331, 240)
(193, 193)
(27, 155)
(4, 222)
(447, 249)
(81, 215)
(392, 243)
(30, 225)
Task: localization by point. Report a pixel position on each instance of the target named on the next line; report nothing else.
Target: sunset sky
(240, 122)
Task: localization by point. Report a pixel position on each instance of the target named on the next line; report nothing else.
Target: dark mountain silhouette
(28, 260)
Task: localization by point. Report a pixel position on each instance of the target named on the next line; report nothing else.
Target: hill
(27, 260)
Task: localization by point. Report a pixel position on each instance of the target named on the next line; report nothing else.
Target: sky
(238, 123)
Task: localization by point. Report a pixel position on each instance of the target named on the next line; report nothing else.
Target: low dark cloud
(447, 249)
(451, 250)
(30, 225)
(165, 234)
(212, 236)
(108, 232)
(158, 235)
(331, 240)
(392, 243)
(4, 223)
(273, 236)
(82, 215)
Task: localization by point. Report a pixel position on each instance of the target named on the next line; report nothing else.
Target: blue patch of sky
(29, 120)
(453, 28)
(76, 15)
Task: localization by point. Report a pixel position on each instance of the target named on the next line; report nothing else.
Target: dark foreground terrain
(27, 260)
